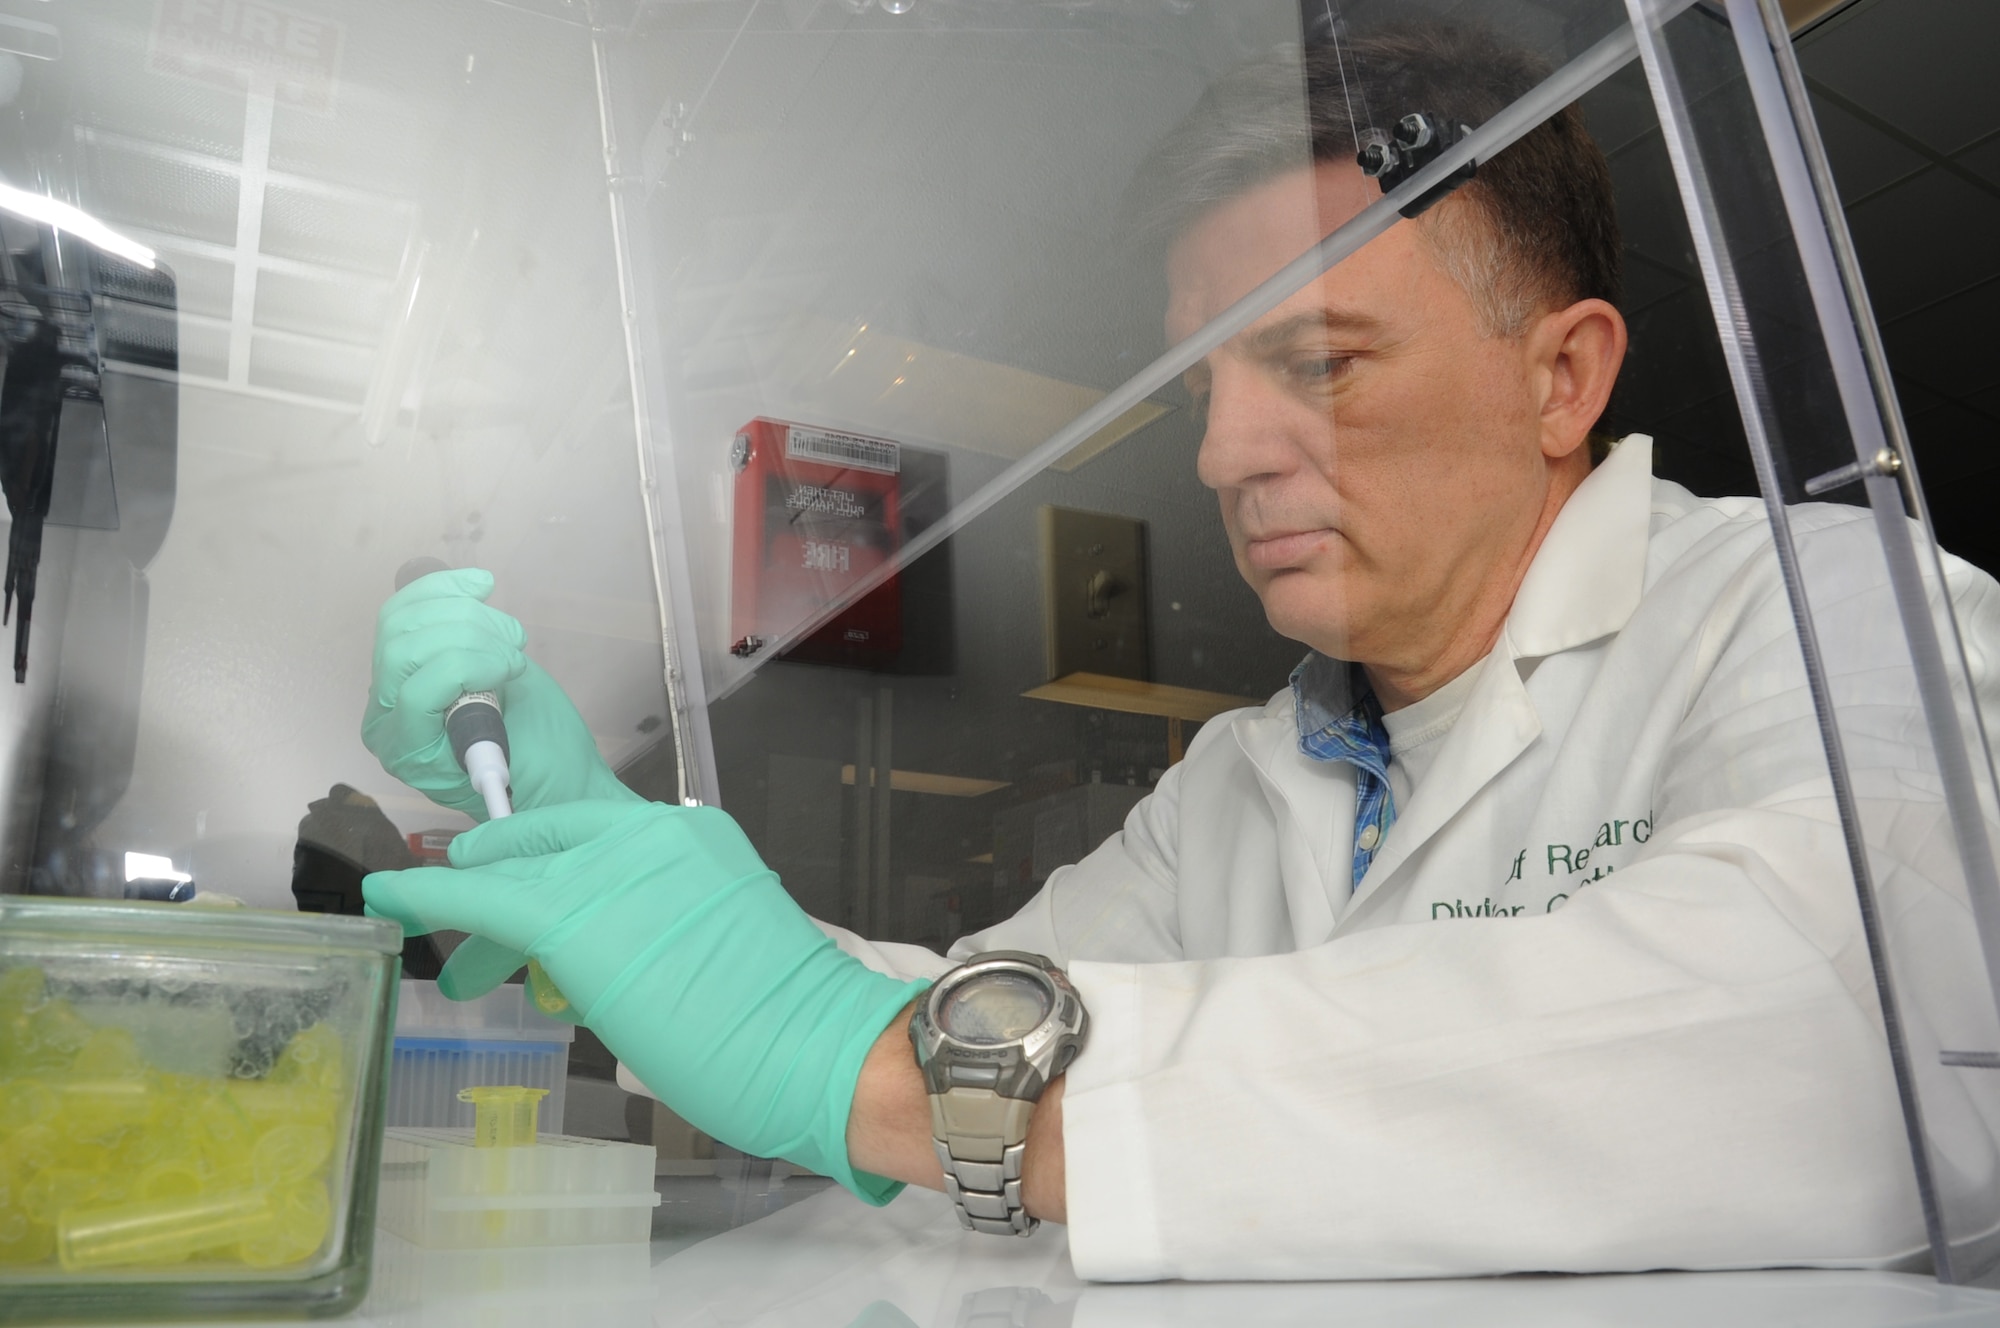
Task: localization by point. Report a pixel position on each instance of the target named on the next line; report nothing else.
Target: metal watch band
(987, 1192)
(980, 1137)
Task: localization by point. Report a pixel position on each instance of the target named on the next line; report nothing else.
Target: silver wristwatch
(989, 1036)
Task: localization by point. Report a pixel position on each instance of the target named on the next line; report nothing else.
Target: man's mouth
(1276, 552)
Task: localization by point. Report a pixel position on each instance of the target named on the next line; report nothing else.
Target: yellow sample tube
(503, 1115)
(159, 1231)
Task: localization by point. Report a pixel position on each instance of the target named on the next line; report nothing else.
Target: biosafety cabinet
(797, 368)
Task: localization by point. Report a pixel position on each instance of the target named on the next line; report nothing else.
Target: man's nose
(1249, 430)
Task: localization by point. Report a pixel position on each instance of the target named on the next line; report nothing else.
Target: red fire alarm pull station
(816, 511)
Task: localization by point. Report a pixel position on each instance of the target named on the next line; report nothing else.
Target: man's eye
(1316, 369)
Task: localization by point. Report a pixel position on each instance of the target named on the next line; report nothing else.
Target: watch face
(994, 1008)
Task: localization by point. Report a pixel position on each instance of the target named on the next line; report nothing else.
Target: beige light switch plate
(1094, 594)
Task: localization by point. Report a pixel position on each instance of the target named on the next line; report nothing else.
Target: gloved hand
(678, 947)
(437, 639)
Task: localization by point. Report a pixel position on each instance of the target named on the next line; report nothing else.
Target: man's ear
(1575, 353)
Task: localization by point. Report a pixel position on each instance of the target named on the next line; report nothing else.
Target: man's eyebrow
(1282, 334)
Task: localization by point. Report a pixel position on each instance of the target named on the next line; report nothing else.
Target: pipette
(478, 736)
(479, 740)
(472, 723)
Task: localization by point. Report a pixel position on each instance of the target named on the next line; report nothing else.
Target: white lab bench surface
(750, 1255)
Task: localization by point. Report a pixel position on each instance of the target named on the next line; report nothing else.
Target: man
(1517, 934)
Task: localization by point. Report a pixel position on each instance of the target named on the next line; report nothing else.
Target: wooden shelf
(1102, 692)
(919, 781)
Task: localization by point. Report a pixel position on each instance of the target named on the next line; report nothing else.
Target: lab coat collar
(1586, 579)
(1312, 803)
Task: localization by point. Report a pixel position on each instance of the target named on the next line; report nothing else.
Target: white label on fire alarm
(843, 449)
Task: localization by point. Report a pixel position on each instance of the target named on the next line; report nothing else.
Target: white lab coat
(1602, 1000)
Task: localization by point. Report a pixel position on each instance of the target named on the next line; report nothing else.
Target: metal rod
(883, 777)
(864, 817)
(1884, 462)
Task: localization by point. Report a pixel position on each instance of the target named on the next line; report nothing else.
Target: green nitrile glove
(677, 946)
(435, 640)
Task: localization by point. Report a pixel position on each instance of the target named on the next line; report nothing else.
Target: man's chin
(1306, 613)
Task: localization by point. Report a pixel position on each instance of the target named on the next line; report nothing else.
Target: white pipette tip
(486, 770)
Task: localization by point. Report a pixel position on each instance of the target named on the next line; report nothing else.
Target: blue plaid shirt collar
(1339, 719)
